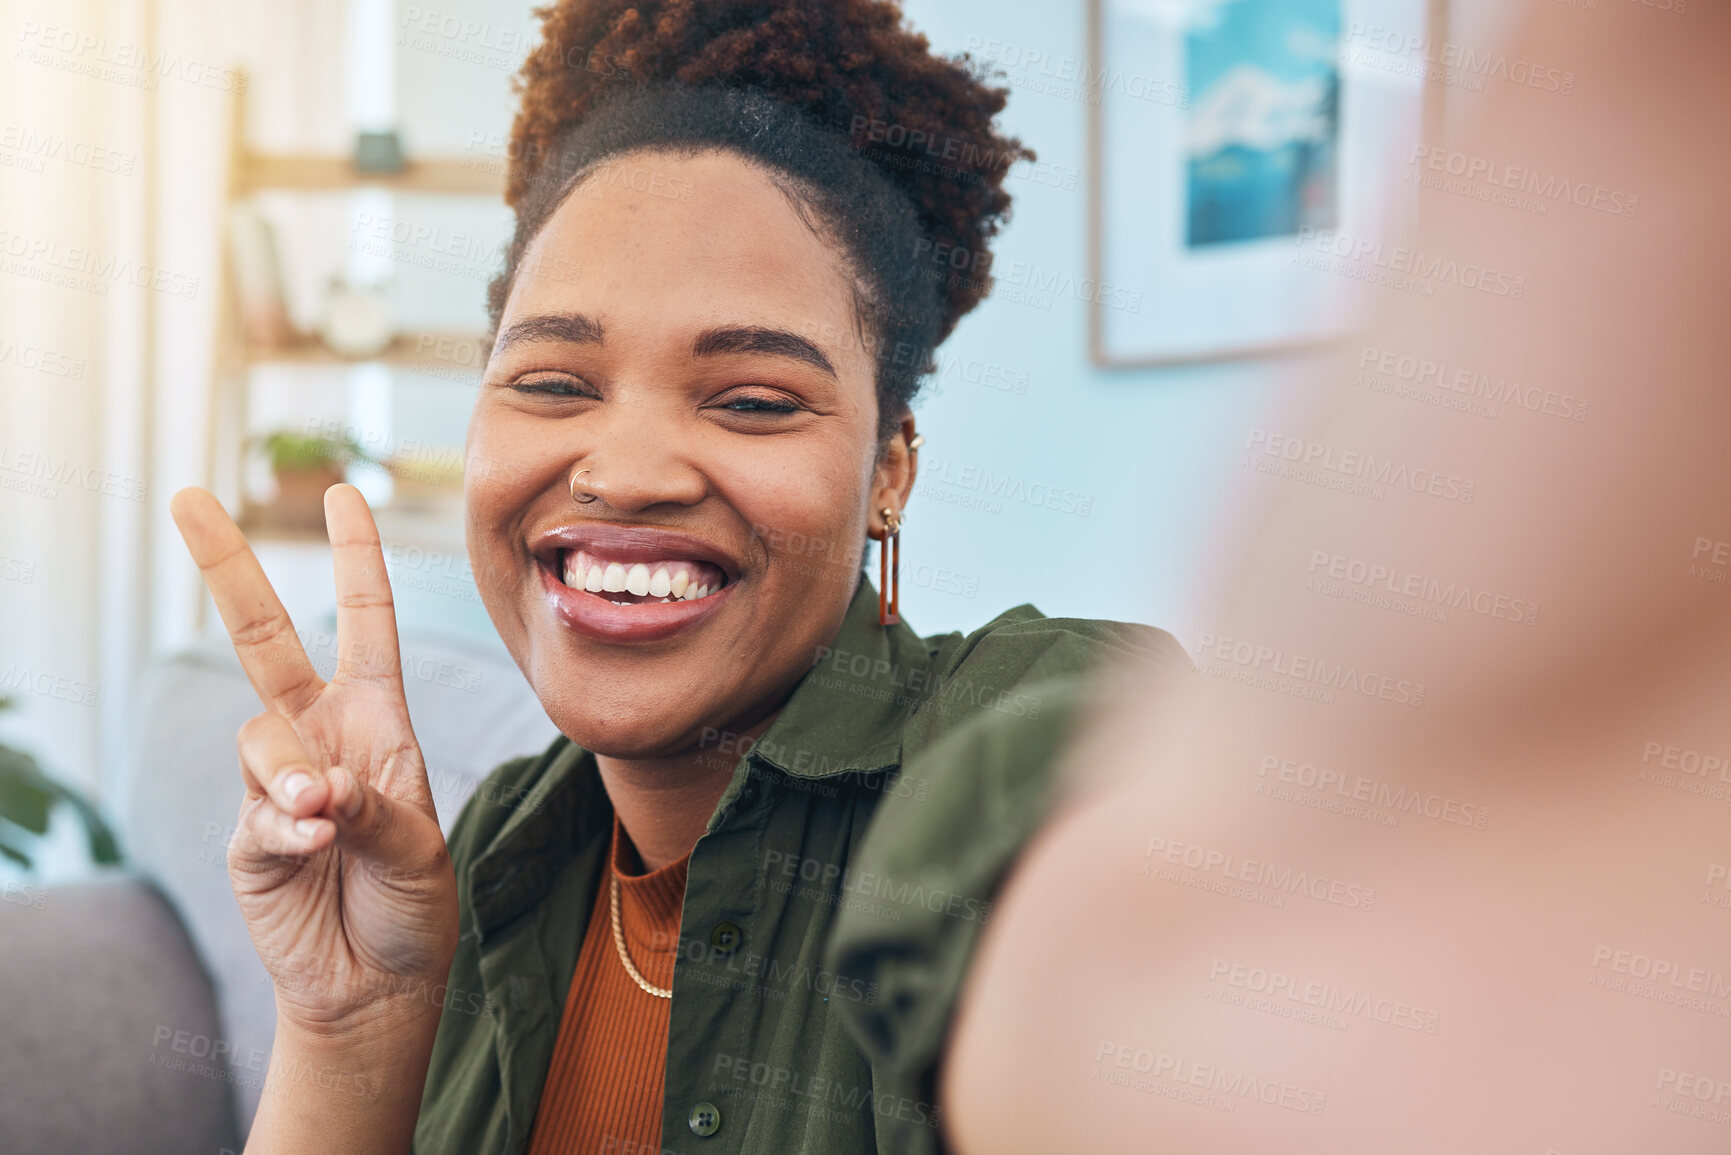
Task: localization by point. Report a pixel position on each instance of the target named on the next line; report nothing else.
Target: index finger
(270, 652)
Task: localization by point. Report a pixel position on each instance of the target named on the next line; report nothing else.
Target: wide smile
(631, 583)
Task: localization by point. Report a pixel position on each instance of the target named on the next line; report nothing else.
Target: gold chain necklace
(624, 957)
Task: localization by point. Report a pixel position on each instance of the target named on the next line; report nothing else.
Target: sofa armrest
(107, 1026)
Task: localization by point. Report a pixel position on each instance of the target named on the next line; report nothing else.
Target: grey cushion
(109, 1026)
(471, 710)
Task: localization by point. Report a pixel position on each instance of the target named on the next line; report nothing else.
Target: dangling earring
(890, 558)
(889, 570)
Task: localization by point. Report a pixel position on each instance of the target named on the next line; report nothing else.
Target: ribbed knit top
(604, 1087)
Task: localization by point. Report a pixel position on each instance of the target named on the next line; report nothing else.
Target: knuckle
(252, 730)
(366, 600)
(257, 631)
(297, 699)
(253, 841)
(388, 678)
(268, 751)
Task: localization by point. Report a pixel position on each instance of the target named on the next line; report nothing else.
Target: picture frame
(1221, 135)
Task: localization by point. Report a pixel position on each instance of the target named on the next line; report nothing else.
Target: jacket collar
(848, 712)
(566, 809)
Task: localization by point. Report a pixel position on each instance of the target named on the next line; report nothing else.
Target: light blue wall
(1155, 450)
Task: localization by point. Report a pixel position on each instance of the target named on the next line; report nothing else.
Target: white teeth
(664, 583)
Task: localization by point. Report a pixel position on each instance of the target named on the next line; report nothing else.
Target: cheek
(485, 482)
(807, 511)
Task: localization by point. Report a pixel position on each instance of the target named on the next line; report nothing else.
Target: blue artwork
(1262, 131)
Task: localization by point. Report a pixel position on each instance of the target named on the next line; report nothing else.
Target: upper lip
(630, 543)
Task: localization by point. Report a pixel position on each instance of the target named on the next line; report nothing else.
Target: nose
(637, 459)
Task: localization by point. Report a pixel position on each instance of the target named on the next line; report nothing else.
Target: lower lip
(601, 619)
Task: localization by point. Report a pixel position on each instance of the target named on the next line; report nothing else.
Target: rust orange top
(604, 1087)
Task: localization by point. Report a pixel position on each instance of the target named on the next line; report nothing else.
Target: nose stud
(587, 495)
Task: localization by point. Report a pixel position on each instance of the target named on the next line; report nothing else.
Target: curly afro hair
(890, 145)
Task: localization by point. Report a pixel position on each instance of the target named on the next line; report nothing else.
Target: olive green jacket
(830, 907)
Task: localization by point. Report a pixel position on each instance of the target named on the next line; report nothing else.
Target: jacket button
(726, 937)
(705, 1120)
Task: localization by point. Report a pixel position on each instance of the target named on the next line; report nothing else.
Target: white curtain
(114, 131)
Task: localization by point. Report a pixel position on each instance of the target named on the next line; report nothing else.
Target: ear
(893, 480)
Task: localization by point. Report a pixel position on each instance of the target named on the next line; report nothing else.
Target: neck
(664, 804)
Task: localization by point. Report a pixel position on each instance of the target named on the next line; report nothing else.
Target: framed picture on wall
(1231, 143)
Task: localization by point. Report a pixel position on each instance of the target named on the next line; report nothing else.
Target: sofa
(134, 1014)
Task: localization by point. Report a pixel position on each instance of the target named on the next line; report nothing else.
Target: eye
(760, 401)
(549, 385)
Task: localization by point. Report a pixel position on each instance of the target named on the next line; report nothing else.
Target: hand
(338, 862)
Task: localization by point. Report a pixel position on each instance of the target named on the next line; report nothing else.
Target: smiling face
(694, 347)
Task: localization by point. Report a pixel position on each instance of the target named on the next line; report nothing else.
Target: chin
(628, 726)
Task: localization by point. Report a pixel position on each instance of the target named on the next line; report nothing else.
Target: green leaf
(16, 855)
(25, 798)
(103, 845)
(17, 762)
(289, 450)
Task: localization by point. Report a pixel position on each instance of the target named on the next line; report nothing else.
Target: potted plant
(28, 802)
(305, 465)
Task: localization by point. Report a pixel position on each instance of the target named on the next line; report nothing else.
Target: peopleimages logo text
(1414, 263)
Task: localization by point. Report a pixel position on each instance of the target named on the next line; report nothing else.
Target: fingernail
(295, 784)
(306, 827)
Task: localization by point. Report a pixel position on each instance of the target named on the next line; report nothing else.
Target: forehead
(676, 243)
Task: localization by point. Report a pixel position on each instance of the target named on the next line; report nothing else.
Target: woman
(730, 907)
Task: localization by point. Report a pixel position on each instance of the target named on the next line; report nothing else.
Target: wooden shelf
(425, 513)
(312, 172)
(430, 529)
(406, 351)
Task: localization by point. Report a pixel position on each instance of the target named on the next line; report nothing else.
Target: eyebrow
(582, 329)
(758, 339)
(570, 328)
